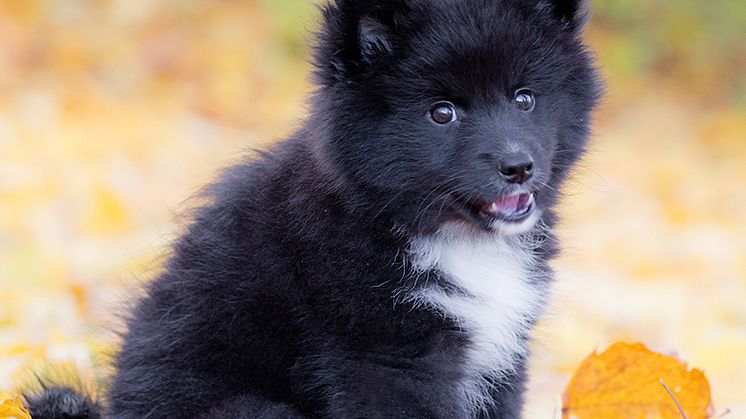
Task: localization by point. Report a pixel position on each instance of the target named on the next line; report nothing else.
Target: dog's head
(444, 110)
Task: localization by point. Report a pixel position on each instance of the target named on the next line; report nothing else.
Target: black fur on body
(290, 293)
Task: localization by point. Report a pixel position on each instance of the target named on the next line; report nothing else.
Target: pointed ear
(354, 35)
(572, 13)
(374, 38)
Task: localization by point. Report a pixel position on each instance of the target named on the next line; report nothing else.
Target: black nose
(517, 167)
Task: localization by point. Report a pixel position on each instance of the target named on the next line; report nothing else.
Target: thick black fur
(283, 298)
(62, 403)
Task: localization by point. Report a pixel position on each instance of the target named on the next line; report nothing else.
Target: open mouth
(514, 208)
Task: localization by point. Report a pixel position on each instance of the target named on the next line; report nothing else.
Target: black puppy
(390, 258)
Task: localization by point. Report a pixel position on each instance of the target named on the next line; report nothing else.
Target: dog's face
(467, 110)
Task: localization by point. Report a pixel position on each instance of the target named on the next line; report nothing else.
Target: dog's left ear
(573, 14)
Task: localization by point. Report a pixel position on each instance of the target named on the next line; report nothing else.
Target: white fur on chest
(497, 304)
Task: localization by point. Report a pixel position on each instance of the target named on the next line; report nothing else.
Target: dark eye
(443, 113)
(525, 100)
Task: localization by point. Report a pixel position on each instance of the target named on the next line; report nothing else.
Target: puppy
(391, 257)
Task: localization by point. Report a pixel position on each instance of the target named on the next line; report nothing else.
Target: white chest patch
(496, 306)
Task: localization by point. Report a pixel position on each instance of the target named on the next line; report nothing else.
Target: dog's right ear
(374, 38)
(355, 34)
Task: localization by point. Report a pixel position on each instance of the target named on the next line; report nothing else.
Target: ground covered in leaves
(114, 112)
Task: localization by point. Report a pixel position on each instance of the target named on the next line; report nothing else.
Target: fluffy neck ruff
(492, 293)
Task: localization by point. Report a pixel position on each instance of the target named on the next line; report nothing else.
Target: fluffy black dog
(390, 258)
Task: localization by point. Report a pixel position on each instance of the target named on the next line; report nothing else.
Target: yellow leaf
(624, 382)
(13, 409)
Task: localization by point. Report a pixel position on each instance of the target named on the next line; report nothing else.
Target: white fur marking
(495, 271)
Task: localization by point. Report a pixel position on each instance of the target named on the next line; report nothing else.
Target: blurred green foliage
(699, 45)
(293, 20)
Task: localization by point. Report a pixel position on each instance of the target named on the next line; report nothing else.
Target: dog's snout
(517, 167)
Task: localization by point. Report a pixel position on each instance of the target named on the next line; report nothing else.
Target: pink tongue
(508, 205)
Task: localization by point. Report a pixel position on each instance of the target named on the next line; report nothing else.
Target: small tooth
(493, 208)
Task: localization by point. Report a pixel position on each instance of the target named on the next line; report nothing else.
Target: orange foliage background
(113, 112)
